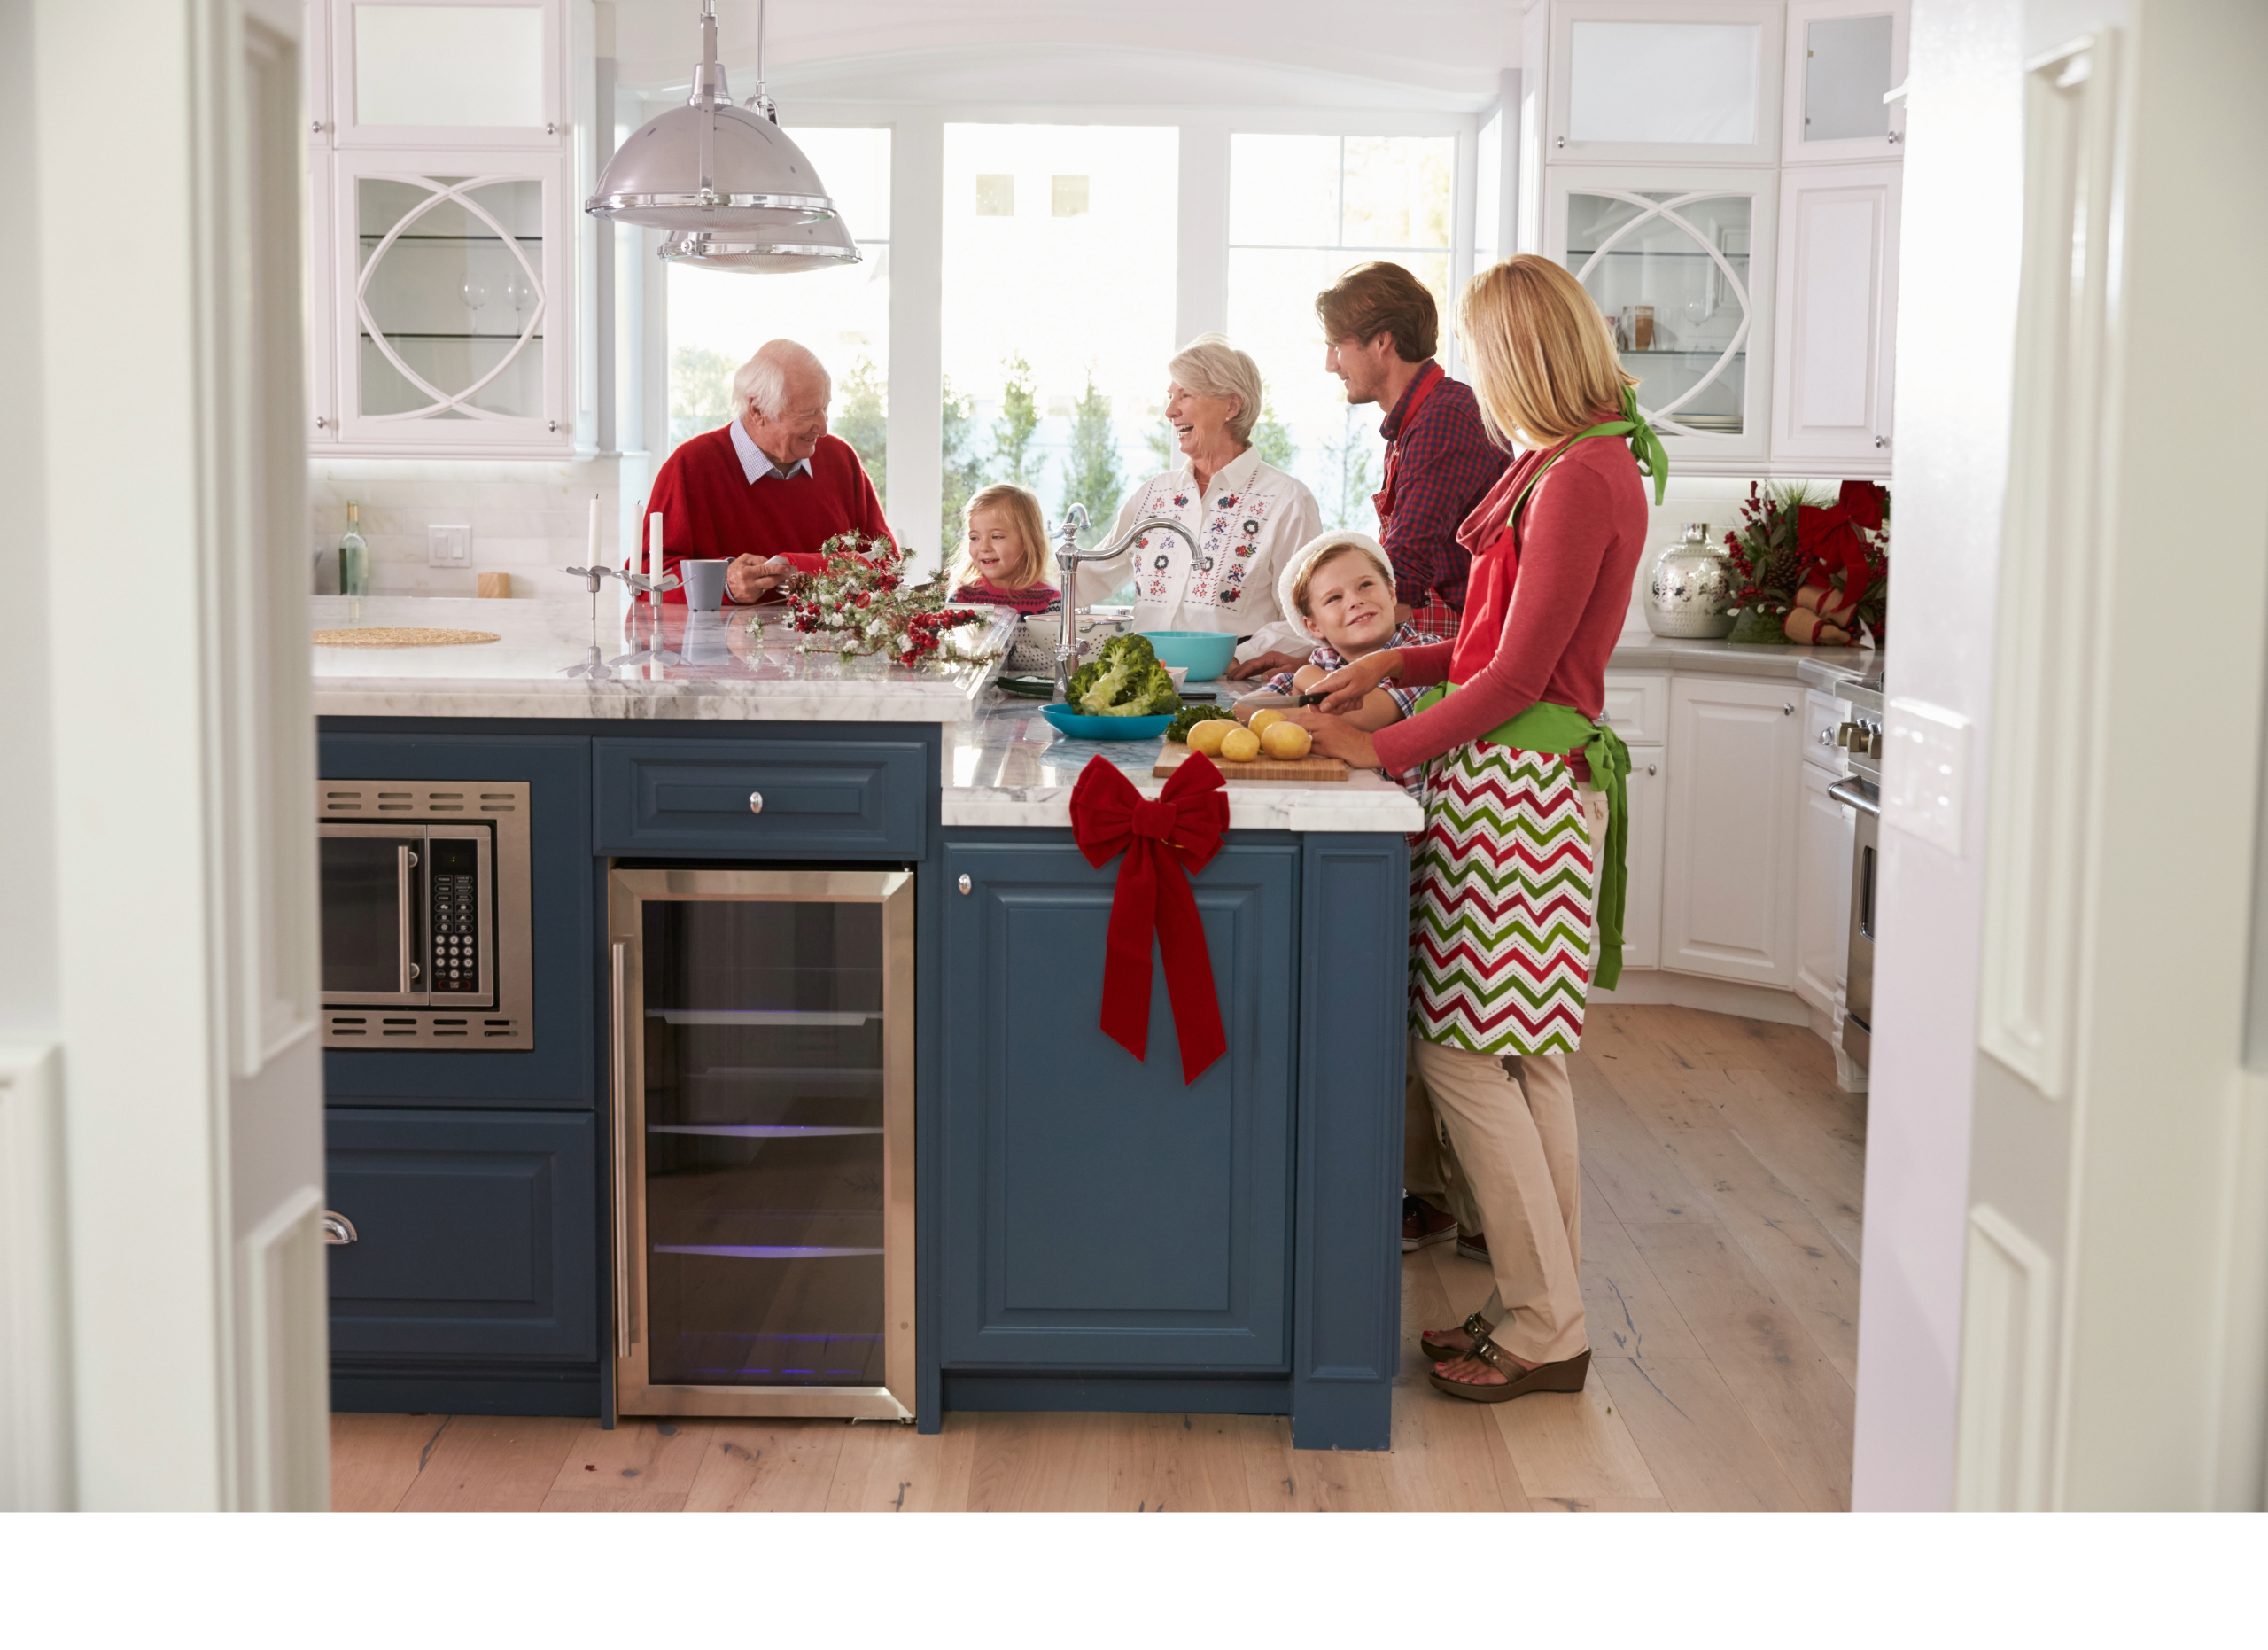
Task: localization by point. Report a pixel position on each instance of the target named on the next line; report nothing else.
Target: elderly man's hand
(1263, 665)
(750, 579)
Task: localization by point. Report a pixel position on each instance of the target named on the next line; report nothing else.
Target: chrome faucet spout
(1070, 559)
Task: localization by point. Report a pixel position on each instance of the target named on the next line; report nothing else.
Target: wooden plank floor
(1722, 1171)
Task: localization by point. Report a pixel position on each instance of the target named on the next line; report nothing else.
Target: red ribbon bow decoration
(1163, 841)
(1831, 540)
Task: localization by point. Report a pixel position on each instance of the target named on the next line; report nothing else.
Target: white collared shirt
(1249, 523)
(756, 464)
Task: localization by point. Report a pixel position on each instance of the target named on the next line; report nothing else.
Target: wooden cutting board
(1306, 770)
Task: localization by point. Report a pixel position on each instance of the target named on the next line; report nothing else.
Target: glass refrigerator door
(767, 1157)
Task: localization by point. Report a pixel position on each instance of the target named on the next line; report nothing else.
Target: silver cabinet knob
(550, 128)
(964, 882)
(1827, 737)
(337, 1228)
(755, 802)
(323, 423)
(1882, 441)
(1787, 709)
(1651, 770)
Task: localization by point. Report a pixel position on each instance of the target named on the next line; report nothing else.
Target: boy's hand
(1263, 665)
(1336, 737)
(1348, 686)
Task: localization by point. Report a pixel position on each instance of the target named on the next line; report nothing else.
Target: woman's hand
(1349, 685)
(1334, 735)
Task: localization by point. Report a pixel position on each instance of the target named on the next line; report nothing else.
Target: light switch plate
(448, 547)
(1925, 773)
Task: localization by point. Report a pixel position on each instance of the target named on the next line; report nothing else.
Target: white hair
(762, 381)
(1208, 365)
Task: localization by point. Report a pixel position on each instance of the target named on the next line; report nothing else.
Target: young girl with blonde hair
(1004, 561)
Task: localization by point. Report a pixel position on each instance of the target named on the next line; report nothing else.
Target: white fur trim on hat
(1308, 554)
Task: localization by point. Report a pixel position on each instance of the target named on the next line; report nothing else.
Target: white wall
(1960, 249)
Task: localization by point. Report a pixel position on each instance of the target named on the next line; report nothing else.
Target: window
(718, 317)
(1057, 311)
(1303, 210)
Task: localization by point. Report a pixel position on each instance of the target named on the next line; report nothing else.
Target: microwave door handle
(405, 861)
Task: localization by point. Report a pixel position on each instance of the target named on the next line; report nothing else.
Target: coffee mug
(704, 584)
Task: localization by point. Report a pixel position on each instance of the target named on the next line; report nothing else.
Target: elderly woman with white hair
(1248, 518)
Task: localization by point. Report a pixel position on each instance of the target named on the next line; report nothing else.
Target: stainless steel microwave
(425, 914)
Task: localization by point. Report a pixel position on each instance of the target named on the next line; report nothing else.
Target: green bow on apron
(1557, 729)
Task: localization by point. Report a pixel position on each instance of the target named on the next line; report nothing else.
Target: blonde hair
(1544, 367)
(1208, 365)
(1323, 559)
(1021, 506)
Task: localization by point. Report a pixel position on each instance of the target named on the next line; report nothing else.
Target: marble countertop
(1009, 767)
(553, 660)
(1783, 660)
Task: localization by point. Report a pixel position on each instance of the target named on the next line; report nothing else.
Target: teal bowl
(1207, 653)
(1071, 725)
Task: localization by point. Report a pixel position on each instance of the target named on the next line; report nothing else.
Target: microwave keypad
(456, 929)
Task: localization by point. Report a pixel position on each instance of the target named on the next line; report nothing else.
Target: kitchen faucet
(1069, 557)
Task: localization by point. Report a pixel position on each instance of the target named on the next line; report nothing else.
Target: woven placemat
(401, 636)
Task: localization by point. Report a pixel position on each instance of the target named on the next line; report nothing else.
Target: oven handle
(1856, 793)
(404, 860)
(620, 1085)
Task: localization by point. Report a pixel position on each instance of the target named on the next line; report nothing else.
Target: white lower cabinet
(1647, 790)
(1824, 836)
(1728, 905)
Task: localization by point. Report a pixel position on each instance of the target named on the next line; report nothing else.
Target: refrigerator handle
(619, 1033)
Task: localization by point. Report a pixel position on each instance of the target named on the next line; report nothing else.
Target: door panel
(1727, 905)
(1100, 1211)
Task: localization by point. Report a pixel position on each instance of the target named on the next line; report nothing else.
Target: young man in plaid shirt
(1382, 329)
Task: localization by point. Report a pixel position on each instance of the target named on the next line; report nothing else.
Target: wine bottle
(353, 556)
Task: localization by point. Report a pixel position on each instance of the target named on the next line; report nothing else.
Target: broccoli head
(1131, 648)
(1082, 680)
(1191, 716)
(1152, 695)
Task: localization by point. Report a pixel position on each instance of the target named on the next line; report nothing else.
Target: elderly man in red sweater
(769, 489)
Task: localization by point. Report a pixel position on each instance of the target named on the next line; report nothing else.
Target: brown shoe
(1473, 1246)
(1422, 1224)
(1566, 1375)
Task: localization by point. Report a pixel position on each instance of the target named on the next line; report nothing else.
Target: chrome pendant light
(717, 175)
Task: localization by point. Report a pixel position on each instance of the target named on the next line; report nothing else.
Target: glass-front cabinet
(1681, 266)
(1846, 59)
(1658, 81)
(443, 228)
(763, 1116)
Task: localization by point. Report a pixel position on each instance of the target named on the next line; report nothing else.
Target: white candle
(592, 560)
(654, 553)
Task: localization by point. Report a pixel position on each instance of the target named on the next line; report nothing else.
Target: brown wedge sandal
(1566, 1375)
(1443, 1352)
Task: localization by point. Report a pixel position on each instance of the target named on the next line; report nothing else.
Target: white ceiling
(1408, 54)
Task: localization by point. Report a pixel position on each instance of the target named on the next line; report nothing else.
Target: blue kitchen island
(1087, 1231)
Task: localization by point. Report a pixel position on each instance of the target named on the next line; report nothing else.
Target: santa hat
(1313, 551)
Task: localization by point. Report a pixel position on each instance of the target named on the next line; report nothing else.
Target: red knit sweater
(711, 511)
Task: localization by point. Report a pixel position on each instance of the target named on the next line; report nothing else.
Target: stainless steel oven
(425, 914)
(1860, 735)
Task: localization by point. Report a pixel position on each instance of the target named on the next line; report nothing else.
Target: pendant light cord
(762, 102)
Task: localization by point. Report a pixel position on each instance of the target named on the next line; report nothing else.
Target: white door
(1823, 839)
(1843, 58)
(1648, 789)
(1728, 880)
(1660, 82)
(1837, 316)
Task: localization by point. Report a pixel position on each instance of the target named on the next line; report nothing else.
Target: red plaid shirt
(1446, 466)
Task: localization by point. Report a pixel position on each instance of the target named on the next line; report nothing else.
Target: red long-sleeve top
(1541, 614)
(711, 511)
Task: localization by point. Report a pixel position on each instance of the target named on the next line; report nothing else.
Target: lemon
(1263, 720)
(1205, 737)
(1287, 742)
(1241, 745)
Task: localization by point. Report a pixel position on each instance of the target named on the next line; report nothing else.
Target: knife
(1282, 701)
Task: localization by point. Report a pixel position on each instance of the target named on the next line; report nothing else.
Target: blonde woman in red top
(1517, 884)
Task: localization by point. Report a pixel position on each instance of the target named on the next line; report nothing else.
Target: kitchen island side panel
(1346, 1290)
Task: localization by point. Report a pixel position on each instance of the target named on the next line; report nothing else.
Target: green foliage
(1164, 447)
(1090, 473)
(1271, 441)
(862, 419)
(1012, 459)
(1348, 480)
(1124, 679)
(1191, 716)
(963, 472)
(701, 391)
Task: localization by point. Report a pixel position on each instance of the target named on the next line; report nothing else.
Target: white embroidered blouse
(1249, 523)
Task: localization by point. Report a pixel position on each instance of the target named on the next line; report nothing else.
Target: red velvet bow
(1163, 840)
(1830, 538)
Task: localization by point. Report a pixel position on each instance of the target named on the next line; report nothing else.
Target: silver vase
(1691, 587)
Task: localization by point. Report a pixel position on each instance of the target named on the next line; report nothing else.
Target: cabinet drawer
(1638, 707)
(820, 799)
(1822, 714)
(476, 1234)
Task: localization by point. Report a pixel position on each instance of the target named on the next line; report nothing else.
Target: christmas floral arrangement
(1807, 571)
(863, 604)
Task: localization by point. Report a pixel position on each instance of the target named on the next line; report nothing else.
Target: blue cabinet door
(1100, 1215)
(476, 1236)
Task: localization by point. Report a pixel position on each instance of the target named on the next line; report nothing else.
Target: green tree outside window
(701, 391)
(862, 419)
(1091, 475)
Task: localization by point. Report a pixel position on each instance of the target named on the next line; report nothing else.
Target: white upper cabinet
(1679, 260)
(1631, 81)
(447, 73)
(1838, 314)
(1843, 56)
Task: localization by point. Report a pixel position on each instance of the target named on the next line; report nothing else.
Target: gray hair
(762, 380)
(1208, 365)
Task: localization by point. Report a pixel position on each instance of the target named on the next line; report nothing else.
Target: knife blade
(1282, 701)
